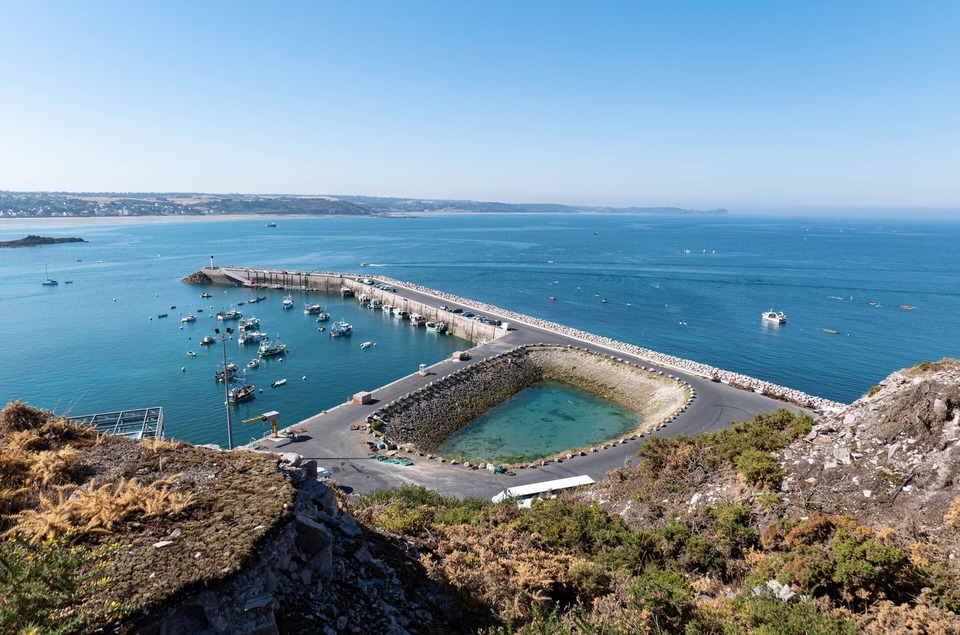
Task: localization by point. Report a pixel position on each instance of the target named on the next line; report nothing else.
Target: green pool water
(538, 422)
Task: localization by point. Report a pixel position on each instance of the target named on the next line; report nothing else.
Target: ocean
(689, 286)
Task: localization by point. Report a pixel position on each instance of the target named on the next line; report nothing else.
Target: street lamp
(226, 383)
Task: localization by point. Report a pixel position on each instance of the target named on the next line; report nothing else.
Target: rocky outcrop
(197, 277)
(36, 241)
(319, 573)
(891, 453)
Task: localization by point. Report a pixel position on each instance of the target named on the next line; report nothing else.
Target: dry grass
(62, 481)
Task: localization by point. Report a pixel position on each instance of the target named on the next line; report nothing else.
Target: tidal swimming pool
(538, 422)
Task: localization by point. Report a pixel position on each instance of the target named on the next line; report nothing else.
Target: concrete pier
(337, 438)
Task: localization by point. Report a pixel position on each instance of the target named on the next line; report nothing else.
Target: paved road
(328, 439)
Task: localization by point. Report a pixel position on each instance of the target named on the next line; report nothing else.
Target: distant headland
(35, 241)
(127, 204)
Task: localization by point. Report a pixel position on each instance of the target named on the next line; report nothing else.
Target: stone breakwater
(425, 418)
(739, 380)
(745, 382)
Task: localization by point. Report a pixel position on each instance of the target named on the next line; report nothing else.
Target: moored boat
(436, 327)
(376, 304)
(250, 324)
(232, 314)
(417, 320)
(269, 348)
(254, 363)
(341, 328)
(287, 302)
(346, 292)
(207, 340)
(323, 317)
(312, 309)
(367, 345)
(248, 337)
(206, 295)
(279, 382)
(242, 393)
(229, 371)
(189, 318)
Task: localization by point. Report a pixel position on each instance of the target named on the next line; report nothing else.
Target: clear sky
(743, 105)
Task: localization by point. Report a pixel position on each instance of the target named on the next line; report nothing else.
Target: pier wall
(428, 416)
(329, 282)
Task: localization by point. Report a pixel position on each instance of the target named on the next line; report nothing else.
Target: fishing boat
(776, 317)
(279, 382)
(312, 309)
(232, 314)
(189, 318)
(323, 317)
(346, 292)
(387, 308)
(49, 282)
(417, 320)
(367, 345)
(207, 340)
(401, 314)
(254, 363)
(376, 304)
(229, 371)
(287, 302)
(341, 328)
(364, 299)
(248, 337)
(268, 348)
(206, 295)
(244, 392)
(436, 327)
(250, 324)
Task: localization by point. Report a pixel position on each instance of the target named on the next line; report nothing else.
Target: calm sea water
(687, 286)
(539, 422)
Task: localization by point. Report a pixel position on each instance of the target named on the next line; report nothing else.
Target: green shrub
(759, 468)
(767, 615)
(667, 595)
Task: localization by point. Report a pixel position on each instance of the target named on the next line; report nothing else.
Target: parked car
(468, 314)
(457, 310)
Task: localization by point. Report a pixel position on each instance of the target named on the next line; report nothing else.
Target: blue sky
(745, 105)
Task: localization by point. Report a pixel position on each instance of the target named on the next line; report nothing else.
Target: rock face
(197, 277)
(891, 454)
(427, 417)
(318, 574)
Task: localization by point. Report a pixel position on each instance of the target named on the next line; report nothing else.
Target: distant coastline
(36, 241)
(75, 205)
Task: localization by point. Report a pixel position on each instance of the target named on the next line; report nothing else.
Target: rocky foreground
(846, 524)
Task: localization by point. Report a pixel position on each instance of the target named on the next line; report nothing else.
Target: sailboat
(49, 282)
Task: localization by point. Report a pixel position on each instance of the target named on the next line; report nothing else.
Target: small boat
(831, 331)
(346, 292)
(232, 314)
(287, 302)
(49, 282)
(364, 264)
(367, 345)
(312, 309)
(417, 320)
(206, 295)
(254, 363)
(173, 306)
(907, 307)
(250, 324)
(259, 298)
(279, 382)
(387, 308)
(244, 392)
(162, 315)
(401, 314)
(207, 340)
(229, 371)
(199, 310)
(189, 318)
(436, 327)
(268, 348)
(552, 298)
(271, 224)
(341, 328)
(191, 354)
(776, 317)
(604, 300)
(68, 282)
(376, 304)
(323, 317)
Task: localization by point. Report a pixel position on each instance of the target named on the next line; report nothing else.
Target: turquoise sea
(693, 287)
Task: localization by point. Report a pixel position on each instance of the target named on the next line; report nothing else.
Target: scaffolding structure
(142, 423)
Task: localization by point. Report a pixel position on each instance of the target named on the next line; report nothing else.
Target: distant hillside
(99, 204)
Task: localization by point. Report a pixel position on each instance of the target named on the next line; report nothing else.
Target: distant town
(113, 204)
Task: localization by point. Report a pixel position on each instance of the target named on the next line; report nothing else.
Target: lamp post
(226, 384)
